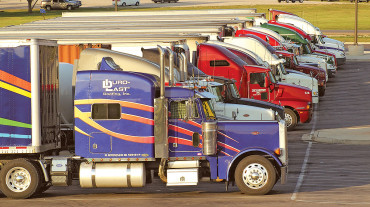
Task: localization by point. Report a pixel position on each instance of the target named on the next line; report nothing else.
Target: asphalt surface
(320, 174)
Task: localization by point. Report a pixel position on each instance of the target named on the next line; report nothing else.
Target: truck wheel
(279, 1)
(19, 179)
(287, 1)
(69, 7)
(48, 8)
(290, 119)
(293, 1)
(137, 3)
(321, 91)
(300, 1)
(255, 175)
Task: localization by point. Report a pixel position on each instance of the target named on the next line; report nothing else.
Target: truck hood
(299, 79)
(295, 93)
(262, 104)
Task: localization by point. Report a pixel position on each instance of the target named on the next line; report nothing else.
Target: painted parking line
(304, 165)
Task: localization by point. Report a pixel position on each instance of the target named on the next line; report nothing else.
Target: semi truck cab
(256, 82)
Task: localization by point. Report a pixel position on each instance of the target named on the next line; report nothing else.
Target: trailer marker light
(255, 133)
(277, 151)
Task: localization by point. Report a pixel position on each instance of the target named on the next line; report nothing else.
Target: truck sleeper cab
(256, 82)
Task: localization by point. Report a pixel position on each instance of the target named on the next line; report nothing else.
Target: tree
(29, 6)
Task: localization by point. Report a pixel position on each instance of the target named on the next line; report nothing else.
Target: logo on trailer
(115, 87)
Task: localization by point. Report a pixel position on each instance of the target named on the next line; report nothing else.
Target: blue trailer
(126, 125)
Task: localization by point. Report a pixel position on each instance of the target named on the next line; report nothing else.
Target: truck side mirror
(267, 83)
(271, 87)
(234, 115)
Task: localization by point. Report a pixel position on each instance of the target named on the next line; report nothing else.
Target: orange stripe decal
(137, 119)
(228, 147)
(227, 136)
(180, 141)
(85, 118)
(123, 103)
(14, 80)
(182, 130)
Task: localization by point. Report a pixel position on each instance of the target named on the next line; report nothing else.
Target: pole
(116, 6)
(356, 21)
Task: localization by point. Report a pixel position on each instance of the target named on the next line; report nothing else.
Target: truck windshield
(319, 37)
(272, 77)
(295, 60)
(217, 91)
(234, 91)
(208, 110)
(307, 49)
(281, 66)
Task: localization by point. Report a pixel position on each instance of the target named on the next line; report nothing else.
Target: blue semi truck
(126, 126)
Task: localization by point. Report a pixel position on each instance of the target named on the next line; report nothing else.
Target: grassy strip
(351, 38)
(337, 17)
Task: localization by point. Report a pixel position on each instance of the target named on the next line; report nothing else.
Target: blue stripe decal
(330, 48)
(19, 136)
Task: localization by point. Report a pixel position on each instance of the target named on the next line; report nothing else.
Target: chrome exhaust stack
(171, 55)
(184, 66)
(161, 114)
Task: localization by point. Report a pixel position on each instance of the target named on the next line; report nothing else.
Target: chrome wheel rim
(18, 179)
(288, 120)
(255, 176)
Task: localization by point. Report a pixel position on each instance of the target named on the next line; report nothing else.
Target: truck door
(185, 129)
(258, 88)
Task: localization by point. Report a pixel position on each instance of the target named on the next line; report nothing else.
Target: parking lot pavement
(347, 99)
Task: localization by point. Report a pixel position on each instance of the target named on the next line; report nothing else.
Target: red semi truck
(291, 60)
(256, 82)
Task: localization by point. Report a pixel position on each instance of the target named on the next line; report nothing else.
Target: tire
(287, 1)
(300, 1)
(293, 1)
(19, 179)
(69, 8)
(255, 175)
(290, 119)
(279, 1)
(162, 1)
(321, 91)
(123, 4)
(137, 3)
(48, 8)
(44, 187)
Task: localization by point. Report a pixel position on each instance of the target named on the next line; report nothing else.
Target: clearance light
(277, 151)
(308, 107)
